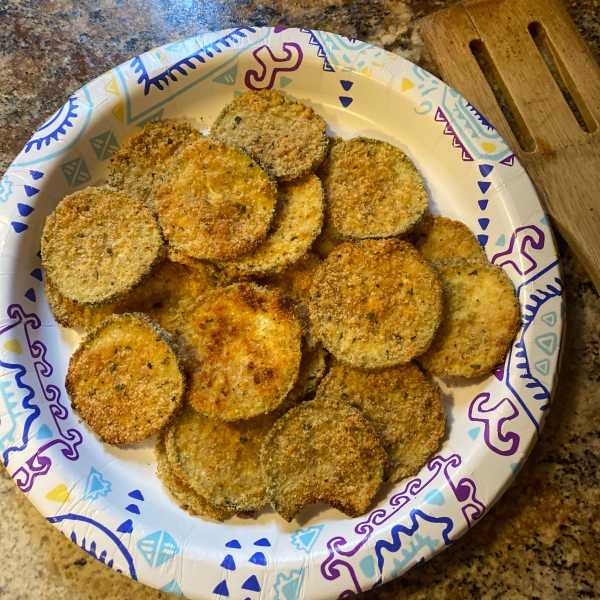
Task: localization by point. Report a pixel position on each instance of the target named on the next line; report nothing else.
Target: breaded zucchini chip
(220, 460)
(375, 303)
(171, 291)
(294, 283)
(65, 311)
(184, 494)
(145, 157)
(99, 244)
(372, 189)
(482, 317)
(403, 407)
(124, 379)
(326, 243)
(312, 369)
(241, 352)
(287, 137)
(439, 238)
(216, 202)
(297, 222)
(322, 452)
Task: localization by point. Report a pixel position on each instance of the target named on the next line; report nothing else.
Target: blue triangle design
(227, 78)
(473, 433)
(137, 495)
(304, 539)
(96, 486)
(258, 558)
(75, 172)
(549, 319)
(547, 342)
(483, 223)
(44, 432)
(483, 239)
(236, 94)
(18, 227)
(482, 204)
(105, 145)
(39, 254)
(125, 527)
(233, 544)
(168, 549)
(290, 589)
(284, 81)
(228, 563)
(24, 209)
(172, 588)
(30, 191)
(484, 186)
(346, 101)
(176, 47)
(262, 542)
(544, 220)
(501, 241)
(251, 584)
(36, 174)
(148, 546)
(133, 508)
(515, 467)
(485, 170)
(37, 273)
(222, 589)
(30, 294)
(542, 366)
(346, 84)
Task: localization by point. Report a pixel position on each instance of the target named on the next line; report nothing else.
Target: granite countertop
(540, 540)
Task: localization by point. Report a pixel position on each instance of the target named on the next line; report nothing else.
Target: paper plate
(108, 499)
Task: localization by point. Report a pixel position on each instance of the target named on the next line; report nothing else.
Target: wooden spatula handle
(564, 162)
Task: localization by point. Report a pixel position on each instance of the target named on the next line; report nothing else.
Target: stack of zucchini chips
(261, 298)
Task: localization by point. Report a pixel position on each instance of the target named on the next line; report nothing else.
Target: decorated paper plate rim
(108, 500)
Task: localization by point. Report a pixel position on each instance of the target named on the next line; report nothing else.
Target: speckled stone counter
(541, 539)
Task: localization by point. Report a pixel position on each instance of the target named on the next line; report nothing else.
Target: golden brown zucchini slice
(439, 238)
(65, 311)
(124, 379)
(145, 157)
(326, 243)
(99, 244)
(241, 351)
(166, 296)
(216, 202)
(294, 282)
(220, 460)
(287, 137)
(322, 452)
(297, 222)
(312, 368)
(186, 497)
(403, 407)
(372, 189)
(482, 317)
(375, 303)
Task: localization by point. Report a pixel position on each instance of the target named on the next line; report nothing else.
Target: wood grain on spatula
(560, 156)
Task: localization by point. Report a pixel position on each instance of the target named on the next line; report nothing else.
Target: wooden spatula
(561, 151)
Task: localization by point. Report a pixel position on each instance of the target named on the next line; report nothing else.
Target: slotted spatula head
(543, 73)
